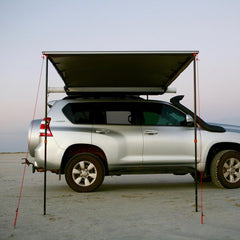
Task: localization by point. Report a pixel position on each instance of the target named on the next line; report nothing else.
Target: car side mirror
(189, 121)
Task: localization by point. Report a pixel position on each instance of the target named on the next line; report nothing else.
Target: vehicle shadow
(152, 186)
(135, 184)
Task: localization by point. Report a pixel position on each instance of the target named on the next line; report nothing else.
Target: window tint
(114, 113)
(123, 114)
(118, 117)
(163, 115)
(78, 113)
(151, 118)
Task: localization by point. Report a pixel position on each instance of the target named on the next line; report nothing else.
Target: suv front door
(166, 136)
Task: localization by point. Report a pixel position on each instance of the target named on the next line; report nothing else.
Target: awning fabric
(119, 72)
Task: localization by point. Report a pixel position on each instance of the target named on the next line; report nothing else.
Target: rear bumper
(53, 156)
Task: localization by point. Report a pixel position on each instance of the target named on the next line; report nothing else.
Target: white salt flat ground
(127, 207)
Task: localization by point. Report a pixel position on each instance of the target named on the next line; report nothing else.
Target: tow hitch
(29, 163)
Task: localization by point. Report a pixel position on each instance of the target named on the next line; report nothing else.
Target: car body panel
(122, 144)
(158, 148)
(132, 148)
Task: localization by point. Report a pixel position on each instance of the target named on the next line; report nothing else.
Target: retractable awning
(119, 72)
(104, 73)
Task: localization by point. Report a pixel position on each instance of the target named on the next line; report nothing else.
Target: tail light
(42, 128)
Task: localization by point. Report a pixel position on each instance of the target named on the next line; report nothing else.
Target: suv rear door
(116, 132)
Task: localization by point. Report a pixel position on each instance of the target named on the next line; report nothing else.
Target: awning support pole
(45, 139)
(195, 132)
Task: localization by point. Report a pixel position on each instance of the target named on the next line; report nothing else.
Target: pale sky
(28, 27)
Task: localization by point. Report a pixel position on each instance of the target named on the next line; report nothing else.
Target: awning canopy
(122, 73)
(119, 72)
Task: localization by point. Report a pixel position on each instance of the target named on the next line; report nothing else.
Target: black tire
(84, 172)
(225, 169)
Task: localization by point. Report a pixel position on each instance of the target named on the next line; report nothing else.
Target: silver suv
(90, 138)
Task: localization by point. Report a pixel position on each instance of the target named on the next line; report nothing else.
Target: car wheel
(84, 172)
(225, 169)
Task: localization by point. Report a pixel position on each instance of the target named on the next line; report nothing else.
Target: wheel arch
(83, 148)
(216, 148)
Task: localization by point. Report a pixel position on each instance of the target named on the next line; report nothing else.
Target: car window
(151, 118)
(114, 113)
(78, 113)
(118, 117)
(163, 115)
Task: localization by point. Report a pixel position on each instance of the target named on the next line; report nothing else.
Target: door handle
(102, 131)
(150, 132)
